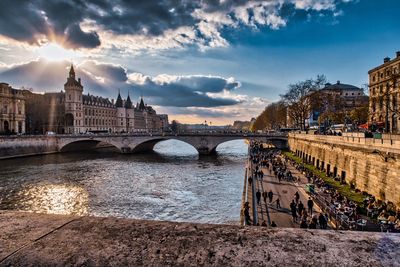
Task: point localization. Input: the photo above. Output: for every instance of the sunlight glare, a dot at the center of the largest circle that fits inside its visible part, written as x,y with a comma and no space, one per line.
54,52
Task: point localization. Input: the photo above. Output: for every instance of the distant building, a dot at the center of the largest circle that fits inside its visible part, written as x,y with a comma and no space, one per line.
164,121
350,96
86,113
12,110
243,125
384,93
72,111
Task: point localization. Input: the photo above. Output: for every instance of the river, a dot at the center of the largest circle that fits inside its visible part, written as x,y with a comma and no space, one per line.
173,183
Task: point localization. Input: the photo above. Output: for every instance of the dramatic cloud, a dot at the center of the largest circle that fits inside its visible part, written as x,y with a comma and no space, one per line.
106,79
143,24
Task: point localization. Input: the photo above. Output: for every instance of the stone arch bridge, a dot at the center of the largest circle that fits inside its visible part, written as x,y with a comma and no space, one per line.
205,144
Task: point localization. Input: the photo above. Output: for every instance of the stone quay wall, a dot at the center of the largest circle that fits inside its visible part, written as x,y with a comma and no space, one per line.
371,165
18,146
29,239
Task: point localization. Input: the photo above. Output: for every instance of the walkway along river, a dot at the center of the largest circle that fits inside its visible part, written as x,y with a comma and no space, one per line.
172,184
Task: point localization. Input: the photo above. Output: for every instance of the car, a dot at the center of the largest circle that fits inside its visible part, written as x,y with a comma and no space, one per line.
50,133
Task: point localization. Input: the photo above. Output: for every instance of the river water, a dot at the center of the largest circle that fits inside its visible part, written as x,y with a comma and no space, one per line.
172,183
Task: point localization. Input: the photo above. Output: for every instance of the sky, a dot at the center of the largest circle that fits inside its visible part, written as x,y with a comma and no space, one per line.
213,60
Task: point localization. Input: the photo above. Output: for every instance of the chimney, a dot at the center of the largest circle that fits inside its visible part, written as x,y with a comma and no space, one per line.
386,59
398,54
79,80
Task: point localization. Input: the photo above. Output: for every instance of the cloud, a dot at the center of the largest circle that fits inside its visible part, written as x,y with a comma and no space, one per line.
106,79
143,24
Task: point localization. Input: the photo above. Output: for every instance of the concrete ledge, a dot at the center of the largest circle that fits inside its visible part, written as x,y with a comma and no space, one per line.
28,239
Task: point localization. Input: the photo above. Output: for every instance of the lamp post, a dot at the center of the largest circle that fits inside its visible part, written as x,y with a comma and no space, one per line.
205,124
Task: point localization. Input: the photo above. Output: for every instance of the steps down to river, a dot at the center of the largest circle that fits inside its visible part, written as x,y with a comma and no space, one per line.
29,239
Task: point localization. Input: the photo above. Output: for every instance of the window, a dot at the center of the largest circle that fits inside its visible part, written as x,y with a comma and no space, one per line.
69,96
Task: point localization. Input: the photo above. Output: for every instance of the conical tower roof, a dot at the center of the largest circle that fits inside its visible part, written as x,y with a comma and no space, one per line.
119,103
141,105
128,102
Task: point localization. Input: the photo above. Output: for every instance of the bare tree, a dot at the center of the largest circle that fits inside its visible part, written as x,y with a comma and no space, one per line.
300,99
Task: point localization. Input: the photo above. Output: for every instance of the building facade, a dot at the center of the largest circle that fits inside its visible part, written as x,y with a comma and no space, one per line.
44,112
12,110
384,94
87,113
338,97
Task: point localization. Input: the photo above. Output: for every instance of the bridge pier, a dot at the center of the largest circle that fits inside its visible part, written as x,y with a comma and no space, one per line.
205,151
125,150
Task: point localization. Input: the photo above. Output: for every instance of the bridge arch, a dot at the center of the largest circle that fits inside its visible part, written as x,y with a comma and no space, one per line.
148,145
86,144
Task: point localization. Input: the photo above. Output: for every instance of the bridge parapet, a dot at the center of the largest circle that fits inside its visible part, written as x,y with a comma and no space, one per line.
204,143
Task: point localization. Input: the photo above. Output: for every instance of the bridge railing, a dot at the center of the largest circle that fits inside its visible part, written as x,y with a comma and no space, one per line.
160,134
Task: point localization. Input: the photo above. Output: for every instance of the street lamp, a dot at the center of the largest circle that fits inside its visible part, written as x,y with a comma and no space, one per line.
205,124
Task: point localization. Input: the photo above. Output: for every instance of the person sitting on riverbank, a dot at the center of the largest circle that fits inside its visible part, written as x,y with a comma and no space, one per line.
273,224
383,216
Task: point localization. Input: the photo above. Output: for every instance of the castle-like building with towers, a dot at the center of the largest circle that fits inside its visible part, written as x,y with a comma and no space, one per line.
88,113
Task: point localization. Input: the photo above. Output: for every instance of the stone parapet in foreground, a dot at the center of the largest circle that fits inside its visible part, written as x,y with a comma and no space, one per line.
28,239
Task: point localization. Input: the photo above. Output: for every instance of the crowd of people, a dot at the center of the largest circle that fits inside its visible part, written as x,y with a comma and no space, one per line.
278,167
345,212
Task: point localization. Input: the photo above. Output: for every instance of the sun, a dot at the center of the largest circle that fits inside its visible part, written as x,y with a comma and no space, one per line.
55,52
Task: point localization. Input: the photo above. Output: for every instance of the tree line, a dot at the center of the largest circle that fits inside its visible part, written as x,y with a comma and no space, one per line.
304,98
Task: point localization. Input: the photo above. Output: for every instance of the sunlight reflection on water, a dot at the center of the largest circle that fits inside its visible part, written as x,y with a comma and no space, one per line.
172,184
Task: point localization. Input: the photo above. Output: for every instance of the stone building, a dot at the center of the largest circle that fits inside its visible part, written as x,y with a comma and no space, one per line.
12,110
384,94
87,113
345,97
44,112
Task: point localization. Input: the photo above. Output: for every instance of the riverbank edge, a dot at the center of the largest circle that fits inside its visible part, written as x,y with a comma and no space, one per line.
30,239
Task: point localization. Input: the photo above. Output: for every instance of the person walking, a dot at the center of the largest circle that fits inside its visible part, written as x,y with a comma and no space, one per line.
258,196
265,195
310,205
247,213
278,203
322,221
297,197
270,196
293,210
300,208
